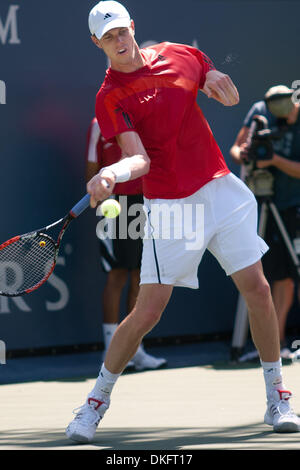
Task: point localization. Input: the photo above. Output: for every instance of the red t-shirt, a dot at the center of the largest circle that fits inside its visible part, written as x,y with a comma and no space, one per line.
99,150
158,101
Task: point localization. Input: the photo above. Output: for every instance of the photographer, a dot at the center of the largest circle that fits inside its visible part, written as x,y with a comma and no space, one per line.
281,145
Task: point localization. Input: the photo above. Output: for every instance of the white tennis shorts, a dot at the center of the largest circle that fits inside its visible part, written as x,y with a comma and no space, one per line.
220,217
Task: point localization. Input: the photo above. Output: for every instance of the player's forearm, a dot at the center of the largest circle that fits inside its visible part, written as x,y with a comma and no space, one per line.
289,167
129,168
101,186
139,165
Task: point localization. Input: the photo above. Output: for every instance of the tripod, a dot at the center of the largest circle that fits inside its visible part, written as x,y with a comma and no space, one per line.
241,326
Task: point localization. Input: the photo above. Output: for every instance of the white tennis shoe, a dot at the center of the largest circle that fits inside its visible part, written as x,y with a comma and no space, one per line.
279,413
143,361
83,427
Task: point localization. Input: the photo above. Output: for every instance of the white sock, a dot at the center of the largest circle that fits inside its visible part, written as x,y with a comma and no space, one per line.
104,384
108,332
273,376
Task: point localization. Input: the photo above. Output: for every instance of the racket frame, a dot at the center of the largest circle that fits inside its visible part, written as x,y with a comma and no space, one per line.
36,233
80,207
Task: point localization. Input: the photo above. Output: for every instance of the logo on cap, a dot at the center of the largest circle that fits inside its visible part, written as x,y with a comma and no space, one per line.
107,16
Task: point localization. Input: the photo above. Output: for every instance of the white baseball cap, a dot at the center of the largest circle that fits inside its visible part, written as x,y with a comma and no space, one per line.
277,92
279,102
107,15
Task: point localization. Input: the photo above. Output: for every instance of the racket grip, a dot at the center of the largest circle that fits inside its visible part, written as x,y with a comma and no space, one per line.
83,204
80,206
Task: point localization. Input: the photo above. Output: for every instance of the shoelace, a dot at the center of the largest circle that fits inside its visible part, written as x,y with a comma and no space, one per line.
284,408
87,414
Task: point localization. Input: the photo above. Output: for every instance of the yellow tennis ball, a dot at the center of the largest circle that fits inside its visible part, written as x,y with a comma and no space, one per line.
42,243
110,208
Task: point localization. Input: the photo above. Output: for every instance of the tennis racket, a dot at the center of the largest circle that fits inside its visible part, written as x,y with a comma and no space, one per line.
28,260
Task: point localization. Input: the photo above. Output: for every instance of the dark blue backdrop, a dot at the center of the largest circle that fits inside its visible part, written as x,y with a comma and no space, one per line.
52,72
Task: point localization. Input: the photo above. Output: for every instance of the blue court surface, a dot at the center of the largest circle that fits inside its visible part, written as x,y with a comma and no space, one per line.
86,365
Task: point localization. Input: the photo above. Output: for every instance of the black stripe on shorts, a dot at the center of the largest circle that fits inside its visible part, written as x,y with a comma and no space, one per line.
155,254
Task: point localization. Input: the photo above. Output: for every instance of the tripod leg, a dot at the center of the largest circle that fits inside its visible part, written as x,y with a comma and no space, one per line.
240,330
263,219
241,324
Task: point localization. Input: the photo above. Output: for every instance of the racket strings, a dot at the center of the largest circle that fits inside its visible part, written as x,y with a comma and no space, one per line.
25,263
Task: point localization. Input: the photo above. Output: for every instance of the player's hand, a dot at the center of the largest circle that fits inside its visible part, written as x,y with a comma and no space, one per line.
100,187
220,87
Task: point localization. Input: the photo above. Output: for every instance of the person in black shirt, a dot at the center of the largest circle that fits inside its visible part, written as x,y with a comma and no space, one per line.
278,266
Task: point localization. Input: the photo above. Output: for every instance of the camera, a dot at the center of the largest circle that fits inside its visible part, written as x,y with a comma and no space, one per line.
261,138
260,147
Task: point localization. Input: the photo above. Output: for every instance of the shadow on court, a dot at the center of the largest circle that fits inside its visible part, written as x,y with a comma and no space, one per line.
251,436
193,404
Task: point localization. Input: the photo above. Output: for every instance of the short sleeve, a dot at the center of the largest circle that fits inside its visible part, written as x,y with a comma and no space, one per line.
207,65
113,119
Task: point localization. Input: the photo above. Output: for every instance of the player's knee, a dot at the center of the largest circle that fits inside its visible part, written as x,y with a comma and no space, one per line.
147,321
260,294
263,291
261,288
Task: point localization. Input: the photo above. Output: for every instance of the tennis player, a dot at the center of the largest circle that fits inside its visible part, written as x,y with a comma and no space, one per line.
148,103
121,256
